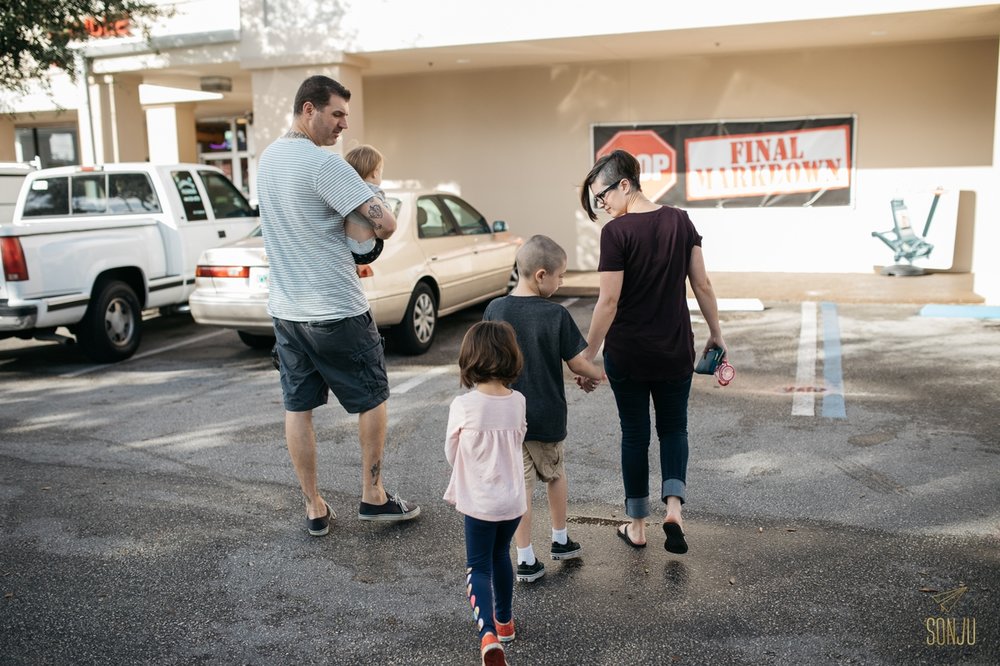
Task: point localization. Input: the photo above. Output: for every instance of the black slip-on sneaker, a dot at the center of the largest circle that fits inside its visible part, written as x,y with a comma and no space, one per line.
394,510
321,526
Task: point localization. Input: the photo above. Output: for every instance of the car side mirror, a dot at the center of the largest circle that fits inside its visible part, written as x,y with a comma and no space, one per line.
499,226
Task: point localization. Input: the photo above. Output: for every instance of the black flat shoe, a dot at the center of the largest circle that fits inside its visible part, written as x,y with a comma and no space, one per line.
675,542
622,533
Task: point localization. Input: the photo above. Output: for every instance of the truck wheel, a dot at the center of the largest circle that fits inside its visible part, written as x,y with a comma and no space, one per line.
112,326
255,341
416,332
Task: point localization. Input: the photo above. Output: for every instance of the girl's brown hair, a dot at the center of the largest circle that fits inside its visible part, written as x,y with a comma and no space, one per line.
365,159
489,351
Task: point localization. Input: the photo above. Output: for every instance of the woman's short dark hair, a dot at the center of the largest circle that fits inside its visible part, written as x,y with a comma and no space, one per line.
612,168
318,89
489,351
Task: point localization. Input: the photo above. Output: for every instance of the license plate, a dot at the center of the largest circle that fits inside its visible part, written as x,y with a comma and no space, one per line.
258,278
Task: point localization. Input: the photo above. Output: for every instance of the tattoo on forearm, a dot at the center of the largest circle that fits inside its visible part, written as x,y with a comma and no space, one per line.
375,209
376,471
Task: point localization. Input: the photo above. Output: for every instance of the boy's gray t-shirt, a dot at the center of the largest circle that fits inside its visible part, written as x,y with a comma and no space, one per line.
547,336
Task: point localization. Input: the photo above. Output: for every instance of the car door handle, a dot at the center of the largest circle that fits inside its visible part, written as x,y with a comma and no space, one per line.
222,233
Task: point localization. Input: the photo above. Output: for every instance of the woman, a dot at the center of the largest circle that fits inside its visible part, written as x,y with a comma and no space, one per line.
641,316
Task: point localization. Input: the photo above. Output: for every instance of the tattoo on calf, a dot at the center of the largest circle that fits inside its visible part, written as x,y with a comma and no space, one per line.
376,470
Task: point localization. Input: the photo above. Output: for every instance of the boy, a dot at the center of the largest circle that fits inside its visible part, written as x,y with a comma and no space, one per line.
361,239
547,336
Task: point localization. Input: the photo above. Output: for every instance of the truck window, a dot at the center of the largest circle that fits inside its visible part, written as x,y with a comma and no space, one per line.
47,196
131,193
226,200
89,195
194,207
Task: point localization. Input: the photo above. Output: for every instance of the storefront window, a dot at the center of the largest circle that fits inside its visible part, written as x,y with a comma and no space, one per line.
53,146
217,137
227,144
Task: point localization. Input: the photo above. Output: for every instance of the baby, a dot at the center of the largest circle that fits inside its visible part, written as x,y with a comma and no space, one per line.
361,239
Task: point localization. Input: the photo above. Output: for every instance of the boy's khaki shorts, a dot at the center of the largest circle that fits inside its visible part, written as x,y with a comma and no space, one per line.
542,460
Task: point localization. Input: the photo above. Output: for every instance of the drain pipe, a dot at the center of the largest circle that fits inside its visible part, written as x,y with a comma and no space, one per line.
82,67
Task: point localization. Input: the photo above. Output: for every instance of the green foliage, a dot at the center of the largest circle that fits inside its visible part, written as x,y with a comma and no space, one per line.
36,35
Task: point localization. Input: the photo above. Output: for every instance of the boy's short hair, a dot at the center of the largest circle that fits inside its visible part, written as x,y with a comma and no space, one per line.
489,351
538,253
365,159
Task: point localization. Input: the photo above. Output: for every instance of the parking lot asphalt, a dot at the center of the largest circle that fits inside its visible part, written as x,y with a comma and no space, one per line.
150,514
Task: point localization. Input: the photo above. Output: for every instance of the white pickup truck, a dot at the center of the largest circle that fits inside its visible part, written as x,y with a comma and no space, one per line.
90,248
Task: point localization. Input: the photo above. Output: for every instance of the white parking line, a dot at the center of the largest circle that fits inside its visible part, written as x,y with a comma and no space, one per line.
153,352
413,382
568,302
804,400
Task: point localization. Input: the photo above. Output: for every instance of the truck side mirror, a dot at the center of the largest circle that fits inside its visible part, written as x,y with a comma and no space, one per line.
499,226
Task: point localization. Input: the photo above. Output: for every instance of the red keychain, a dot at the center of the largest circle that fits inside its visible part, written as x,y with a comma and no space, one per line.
725,373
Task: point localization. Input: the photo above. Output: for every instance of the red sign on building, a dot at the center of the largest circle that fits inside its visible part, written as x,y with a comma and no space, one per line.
657,159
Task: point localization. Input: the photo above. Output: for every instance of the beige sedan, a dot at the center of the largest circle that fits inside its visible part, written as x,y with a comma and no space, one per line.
443,257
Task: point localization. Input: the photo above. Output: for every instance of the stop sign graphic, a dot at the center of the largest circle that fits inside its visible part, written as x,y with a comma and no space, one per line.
657,159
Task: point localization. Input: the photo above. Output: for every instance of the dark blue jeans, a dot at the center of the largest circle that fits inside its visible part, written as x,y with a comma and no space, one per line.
670,401
489,581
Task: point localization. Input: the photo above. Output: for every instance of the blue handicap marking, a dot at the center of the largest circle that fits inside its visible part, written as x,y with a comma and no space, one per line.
961,311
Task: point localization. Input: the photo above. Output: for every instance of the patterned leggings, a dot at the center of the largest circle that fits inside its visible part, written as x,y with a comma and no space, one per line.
487,553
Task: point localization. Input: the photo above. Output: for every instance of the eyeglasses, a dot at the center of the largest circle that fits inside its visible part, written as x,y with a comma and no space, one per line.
599,198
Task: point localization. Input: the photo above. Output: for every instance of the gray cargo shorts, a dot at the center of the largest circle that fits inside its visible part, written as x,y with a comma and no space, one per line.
345,356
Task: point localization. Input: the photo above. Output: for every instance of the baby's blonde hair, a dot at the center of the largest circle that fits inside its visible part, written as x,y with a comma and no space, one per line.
365,159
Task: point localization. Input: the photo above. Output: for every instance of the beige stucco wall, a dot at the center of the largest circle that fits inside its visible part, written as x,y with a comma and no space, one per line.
274,96
516,142
987,236
7,139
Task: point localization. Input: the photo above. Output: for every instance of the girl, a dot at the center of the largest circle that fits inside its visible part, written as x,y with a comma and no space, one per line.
485,429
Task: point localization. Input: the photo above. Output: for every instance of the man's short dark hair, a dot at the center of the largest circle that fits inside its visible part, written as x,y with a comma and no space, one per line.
318,90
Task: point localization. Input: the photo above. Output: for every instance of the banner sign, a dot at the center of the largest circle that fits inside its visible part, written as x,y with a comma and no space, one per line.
793,162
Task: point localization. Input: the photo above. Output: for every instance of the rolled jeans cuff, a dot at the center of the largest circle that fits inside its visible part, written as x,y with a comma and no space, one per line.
673,488
637,507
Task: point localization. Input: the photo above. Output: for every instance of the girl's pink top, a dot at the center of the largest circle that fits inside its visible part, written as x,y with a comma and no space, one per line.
483,447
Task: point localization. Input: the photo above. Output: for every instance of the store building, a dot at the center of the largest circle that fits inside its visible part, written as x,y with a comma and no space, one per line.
785,130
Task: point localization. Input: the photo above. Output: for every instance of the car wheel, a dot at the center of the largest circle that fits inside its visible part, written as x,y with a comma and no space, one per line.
111,328
416,332
512,280
255,341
